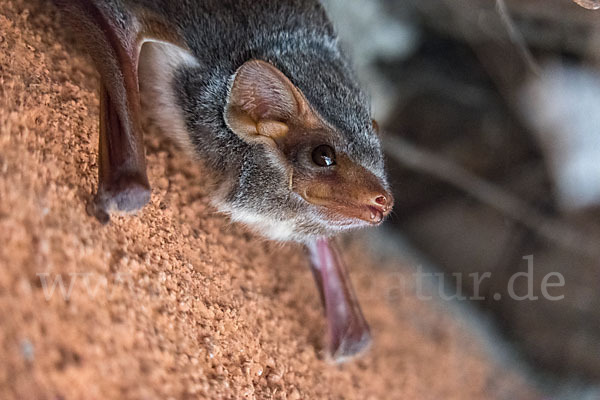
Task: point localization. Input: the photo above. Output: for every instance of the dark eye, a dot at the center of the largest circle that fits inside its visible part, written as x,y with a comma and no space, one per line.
323,156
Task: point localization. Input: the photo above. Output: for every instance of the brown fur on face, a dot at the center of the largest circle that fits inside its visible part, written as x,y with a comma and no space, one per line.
348,191
264,106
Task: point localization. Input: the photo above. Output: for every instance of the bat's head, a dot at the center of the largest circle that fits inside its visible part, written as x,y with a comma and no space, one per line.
303,177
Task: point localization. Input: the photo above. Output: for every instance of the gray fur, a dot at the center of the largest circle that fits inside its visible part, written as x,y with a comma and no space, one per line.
296,37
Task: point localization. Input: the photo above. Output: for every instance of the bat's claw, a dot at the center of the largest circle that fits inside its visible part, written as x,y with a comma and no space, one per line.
126,196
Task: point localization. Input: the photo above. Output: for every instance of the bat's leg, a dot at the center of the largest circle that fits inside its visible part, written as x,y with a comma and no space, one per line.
111,35
348,332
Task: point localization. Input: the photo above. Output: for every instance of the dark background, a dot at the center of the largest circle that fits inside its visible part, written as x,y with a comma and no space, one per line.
491,127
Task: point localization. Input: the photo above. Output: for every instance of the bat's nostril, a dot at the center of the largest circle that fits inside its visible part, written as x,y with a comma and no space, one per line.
381,200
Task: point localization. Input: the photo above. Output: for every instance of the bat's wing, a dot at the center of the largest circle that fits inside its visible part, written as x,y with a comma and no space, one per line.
113,35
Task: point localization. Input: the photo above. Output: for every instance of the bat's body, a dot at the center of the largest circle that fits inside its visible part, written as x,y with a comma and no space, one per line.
261,93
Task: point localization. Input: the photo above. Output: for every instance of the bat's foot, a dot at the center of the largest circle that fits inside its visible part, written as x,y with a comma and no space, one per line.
125,196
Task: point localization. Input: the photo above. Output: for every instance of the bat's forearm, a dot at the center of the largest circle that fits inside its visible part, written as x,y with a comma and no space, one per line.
112,38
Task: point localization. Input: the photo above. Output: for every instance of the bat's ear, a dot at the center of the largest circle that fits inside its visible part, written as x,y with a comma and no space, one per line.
261,103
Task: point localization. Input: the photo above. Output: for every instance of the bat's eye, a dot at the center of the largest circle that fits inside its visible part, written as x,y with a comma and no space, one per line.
323,156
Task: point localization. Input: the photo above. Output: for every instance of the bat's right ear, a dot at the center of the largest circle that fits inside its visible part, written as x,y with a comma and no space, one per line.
261,103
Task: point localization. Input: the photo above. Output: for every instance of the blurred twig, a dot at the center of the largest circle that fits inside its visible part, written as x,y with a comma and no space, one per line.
424,161
516,37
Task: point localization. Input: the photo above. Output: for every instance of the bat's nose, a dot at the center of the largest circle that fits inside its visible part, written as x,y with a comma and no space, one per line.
385,202
380,206
382,202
